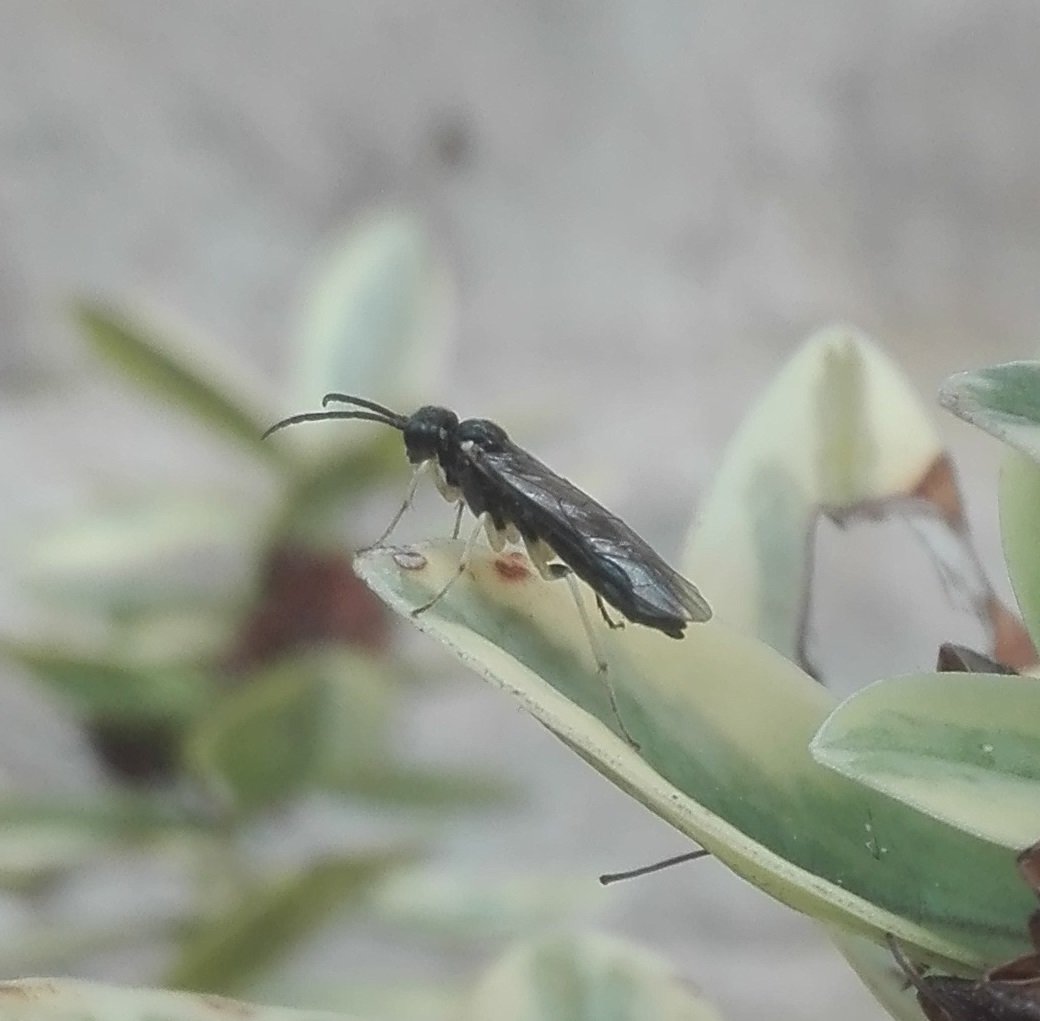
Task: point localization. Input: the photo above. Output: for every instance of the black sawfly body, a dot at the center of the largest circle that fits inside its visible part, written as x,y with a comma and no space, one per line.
517,499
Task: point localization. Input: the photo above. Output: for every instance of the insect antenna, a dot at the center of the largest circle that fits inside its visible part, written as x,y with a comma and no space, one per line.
392,417
397,421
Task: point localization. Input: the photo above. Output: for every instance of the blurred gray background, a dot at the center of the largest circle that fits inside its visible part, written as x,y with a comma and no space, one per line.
645,207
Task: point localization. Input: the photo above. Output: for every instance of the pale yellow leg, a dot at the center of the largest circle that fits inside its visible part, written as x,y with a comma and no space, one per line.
422,468
496,538
540,554
467,552
565,572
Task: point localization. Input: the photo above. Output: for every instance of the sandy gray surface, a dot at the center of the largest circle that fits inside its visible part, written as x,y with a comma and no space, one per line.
645,206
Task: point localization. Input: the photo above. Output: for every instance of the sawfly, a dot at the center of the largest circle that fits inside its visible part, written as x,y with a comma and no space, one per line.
517,499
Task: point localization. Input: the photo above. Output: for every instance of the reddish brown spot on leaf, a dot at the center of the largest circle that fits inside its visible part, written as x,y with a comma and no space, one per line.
512,567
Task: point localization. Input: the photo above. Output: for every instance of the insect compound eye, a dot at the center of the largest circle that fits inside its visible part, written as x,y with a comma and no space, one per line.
426,431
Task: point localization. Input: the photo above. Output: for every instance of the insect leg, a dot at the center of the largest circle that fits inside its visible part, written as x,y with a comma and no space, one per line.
562,571
614,625
420,471
657,866
496,536
463,564
459,508
915,978
540,555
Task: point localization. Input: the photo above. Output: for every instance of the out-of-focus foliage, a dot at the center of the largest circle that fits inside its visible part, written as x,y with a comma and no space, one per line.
557,978
839,433
64,999
232,944
377,315
218,703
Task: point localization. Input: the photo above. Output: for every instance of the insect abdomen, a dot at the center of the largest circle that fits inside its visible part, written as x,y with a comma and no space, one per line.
602,575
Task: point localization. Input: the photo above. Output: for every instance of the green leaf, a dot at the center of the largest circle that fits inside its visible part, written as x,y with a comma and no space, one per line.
357,695
269,919
125,815
183,376
100,686
1020,531
157,634
155,641
257,746
50,946
398,998
1004,400
375,319
964,748
64,999
470,907
132,535
724,725
350,743
428,788
876,968
30,854
130,538
839,432
324,486
583,977
318,719
39,839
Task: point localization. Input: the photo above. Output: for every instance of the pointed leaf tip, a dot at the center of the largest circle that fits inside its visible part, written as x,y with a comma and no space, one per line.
1003,400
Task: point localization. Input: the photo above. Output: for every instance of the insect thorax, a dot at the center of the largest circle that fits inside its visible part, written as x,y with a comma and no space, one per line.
479,432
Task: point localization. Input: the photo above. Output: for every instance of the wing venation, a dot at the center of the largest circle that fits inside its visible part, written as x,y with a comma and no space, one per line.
585,534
